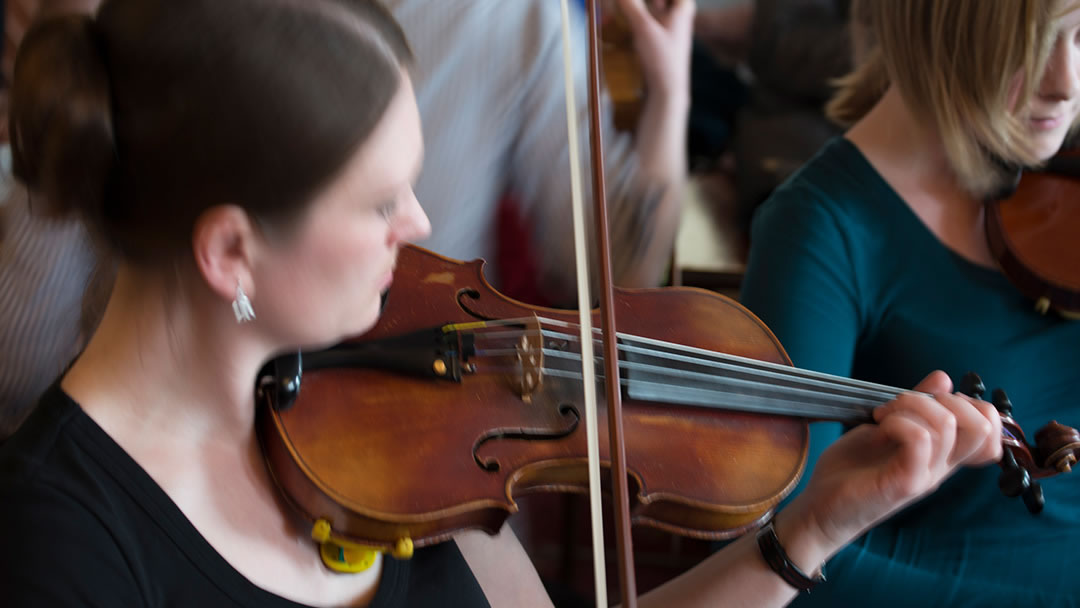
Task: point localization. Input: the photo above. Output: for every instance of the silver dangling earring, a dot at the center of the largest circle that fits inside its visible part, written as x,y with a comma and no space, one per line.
242,305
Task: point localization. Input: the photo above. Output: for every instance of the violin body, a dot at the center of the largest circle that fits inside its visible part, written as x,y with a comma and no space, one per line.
1033,235
385,457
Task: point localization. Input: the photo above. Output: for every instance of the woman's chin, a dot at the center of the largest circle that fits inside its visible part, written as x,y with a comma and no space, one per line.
369,319
351,327
1047,145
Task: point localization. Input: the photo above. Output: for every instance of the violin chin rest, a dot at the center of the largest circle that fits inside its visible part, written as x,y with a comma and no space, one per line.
281,377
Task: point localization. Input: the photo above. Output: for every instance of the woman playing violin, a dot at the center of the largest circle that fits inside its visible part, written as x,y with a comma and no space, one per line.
251,163
872,261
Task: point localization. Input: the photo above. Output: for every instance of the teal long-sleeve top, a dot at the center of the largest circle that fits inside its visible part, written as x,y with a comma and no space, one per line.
854,284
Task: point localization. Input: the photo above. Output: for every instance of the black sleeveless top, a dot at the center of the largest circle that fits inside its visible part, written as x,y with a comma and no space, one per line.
81,524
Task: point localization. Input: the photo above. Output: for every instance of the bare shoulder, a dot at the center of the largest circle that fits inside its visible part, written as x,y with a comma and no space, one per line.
503,569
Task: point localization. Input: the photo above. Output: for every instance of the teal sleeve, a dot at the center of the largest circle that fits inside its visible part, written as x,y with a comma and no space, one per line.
800,282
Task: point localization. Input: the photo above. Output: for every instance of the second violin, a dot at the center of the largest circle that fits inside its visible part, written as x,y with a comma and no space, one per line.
1033,232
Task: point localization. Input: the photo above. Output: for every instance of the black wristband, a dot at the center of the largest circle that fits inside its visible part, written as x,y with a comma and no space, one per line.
781,564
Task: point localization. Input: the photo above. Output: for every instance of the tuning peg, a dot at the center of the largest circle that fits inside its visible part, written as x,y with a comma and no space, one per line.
1033,498
1001,402
1013,479
972,385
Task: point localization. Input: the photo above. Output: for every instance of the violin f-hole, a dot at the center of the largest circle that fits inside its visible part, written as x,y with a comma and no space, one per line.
464,296
567,411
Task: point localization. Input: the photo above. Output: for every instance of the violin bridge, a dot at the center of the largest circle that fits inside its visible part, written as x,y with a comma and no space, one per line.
530,359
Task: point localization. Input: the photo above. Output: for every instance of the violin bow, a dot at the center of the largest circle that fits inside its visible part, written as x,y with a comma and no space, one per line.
620,495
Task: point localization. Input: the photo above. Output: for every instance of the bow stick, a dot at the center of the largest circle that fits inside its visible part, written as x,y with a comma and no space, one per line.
620,496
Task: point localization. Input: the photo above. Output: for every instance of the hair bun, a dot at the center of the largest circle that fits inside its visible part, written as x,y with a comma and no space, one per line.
60,115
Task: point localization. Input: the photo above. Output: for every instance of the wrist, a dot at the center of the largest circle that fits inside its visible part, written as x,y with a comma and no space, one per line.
671,95
776,557
801,536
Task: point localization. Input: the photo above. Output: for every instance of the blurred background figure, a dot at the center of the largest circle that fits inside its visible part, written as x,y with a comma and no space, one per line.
53,284
718,81
489,81
18,14
796,48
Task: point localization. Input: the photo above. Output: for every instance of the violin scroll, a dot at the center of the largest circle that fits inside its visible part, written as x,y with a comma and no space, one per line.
1055,451
1060,443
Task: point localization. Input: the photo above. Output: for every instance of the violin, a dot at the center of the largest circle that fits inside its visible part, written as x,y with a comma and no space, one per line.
1032,234
460,399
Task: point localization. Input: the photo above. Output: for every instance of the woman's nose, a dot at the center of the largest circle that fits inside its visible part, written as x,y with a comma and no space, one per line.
1061,81
413,224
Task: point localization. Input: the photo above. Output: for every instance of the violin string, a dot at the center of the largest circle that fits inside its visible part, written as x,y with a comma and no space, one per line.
660,382
702,356
784,370
739,400
715,360
783,374
741,382
719,398
802,392
721,360
713,392
803,385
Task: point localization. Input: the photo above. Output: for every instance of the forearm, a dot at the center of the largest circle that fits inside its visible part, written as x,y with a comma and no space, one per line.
738,575
660,146
649,211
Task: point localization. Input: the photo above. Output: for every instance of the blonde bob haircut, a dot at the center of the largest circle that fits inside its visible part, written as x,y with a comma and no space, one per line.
962,67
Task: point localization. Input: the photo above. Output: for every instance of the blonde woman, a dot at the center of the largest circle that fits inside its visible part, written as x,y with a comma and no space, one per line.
872,261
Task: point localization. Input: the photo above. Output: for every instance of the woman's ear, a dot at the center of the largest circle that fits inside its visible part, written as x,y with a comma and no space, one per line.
223,242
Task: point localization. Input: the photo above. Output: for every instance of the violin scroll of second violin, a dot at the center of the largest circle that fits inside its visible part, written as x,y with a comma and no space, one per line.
1055,451
1060,444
